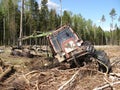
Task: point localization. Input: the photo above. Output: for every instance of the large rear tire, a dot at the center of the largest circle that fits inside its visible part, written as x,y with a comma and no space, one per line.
103,61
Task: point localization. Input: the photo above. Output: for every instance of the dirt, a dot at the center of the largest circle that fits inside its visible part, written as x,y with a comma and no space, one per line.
31,75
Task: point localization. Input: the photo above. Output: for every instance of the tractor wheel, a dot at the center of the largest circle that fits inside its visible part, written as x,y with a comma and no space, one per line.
103,61
89,47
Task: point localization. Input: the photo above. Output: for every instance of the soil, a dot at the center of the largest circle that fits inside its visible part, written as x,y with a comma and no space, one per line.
32,73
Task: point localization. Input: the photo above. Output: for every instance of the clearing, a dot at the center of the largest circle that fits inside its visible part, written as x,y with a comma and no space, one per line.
28,73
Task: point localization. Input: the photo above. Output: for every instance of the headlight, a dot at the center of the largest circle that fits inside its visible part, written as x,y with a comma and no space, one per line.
79,43
70,46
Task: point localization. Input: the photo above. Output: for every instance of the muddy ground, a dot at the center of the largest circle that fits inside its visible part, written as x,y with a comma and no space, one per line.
28,73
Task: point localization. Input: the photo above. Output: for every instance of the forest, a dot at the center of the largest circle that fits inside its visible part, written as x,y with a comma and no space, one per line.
67,64
39,18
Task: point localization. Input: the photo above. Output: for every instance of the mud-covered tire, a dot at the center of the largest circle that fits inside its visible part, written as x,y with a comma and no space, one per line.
88,47
103,61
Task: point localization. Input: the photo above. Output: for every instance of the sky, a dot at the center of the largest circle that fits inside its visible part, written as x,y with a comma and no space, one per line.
89,9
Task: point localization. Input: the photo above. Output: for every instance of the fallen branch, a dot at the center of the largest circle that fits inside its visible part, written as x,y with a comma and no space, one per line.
37,88
8,70
106,85
32,72
115,74
70,80
115,62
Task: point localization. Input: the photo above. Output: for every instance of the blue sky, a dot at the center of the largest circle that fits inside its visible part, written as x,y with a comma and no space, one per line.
90,9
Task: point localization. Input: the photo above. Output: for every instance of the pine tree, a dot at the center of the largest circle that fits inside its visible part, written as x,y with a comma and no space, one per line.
66,18
112,14
103,20
44,18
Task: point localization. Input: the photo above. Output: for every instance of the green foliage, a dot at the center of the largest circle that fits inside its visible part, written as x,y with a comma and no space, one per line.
113,13
42,19
53,20
66,18
44,16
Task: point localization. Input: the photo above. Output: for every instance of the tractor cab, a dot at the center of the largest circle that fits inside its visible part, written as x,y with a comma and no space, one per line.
65,43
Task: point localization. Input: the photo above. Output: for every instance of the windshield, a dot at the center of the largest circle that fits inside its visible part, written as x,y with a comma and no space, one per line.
64,35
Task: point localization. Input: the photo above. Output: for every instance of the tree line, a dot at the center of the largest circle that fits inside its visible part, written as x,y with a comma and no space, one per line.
41,19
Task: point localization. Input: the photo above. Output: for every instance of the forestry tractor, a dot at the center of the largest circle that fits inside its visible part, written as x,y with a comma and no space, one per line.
66,46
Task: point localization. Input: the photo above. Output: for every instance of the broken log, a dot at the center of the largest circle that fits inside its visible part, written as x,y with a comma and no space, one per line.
2,51
6,72
106,85
115,74
1,70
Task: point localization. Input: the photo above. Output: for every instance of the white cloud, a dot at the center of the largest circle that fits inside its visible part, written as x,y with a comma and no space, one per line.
106,28
98,21
50,4
53,5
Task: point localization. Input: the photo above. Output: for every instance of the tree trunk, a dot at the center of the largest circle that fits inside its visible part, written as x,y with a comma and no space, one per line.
21,24
4,30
